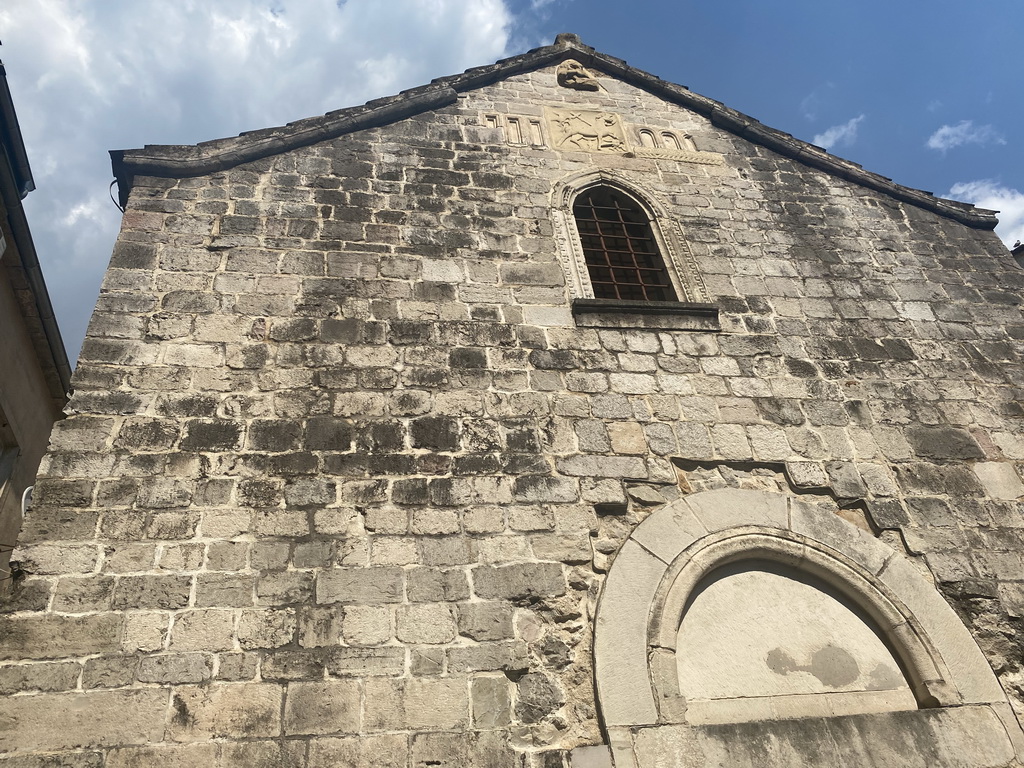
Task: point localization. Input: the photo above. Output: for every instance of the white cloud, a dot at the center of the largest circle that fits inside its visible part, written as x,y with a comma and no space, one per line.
844,134
813,101
93,75
965,132
989,194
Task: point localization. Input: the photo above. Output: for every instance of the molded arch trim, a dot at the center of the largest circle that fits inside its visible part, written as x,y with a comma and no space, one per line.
679,261
645,596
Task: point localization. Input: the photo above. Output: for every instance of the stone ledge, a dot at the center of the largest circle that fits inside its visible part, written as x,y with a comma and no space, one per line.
662,315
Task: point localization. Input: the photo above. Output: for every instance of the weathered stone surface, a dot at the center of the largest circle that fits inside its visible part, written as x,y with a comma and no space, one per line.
97,718
538,695
176,668
366,751
421,704
491,702
42,636
344,472
485,621
348,585
322,708
235,710
519,581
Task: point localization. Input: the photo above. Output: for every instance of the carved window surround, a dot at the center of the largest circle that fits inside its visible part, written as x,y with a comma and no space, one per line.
693,312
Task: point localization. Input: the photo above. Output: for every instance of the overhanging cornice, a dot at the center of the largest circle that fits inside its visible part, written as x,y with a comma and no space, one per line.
209,157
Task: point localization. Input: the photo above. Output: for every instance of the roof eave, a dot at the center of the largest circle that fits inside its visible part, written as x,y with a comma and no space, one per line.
209,157
15,183
11,139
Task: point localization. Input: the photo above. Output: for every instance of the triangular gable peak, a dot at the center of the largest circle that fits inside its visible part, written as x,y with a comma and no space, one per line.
178,161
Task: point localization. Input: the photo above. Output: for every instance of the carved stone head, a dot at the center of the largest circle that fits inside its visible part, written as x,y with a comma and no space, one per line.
572,74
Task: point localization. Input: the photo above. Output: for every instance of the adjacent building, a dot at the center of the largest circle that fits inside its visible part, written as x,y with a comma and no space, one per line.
34,372
549,414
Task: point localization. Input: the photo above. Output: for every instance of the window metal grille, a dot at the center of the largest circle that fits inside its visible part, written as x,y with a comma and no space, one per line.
619,247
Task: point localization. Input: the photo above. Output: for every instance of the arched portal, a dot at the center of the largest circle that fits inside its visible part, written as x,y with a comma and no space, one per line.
748,609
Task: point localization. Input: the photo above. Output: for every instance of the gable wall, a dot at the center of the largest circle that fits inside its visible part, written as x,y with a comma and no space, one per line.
338,443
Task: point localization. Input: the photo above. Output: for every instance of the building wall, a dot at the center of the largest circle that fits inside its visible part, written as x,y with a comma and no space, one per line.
25,406
343,477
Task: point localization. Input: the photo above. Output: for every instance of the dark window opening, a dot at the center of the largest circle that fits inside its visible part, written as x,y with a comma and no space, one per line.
619,248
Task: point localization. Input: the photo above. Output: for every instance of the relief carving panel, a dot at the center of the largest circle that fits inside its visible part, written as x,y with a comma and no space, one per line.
586,131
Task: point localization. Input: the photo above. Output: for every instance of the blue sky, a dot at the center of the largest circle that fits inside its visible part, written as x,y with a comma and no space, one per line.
927,92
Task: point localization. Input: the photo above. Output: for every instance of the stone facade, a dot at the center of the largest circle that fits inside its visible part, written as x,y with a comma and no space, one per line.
346,472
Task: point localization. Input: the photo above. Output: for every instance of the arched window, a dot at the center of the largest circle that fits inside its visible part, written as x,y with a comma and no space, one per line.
625,261
619,248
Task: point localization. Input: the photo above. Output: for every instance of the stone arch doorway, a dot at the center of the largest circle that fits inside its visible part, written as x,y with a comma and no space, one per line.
737,622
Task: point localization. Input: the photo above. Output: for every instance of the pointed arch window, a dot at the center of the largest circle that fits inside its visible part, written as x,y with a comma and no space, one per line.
626,264
619,248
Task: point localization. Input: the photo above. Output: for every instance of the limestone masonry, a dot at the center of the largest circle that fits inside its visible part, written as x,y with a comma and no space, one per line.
370,462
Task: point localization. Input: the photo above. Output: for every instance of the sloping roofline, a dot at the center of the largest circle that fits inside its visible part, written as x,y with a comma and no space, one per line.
15,183
210,156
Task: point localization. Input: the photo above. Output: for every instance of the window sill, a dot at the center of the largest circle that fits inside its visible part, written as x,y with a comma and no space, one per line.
662,315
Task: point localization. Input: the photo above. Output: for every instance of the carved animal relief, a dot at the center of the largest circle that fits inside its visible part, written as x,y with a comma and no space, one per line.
581,130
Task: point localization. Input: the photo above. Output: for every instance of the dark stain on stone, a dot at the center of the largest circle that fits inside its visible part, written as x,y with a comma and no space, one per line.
832,666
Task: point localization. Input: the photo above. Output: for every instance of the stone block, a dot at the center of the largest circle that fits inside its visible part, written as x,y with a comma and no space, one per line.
95,718
485,621
233,667
507,656
591,757
83,595
620,644
627,437
383,751
163,592
429,623
225,710
999,479
318,627
175,756
326,707
943,442
435,585
537,695
367,625
806,474
43,559
266,628
519,581
109,672
22,678
845,480
492,705
206,630
42,636
416,703
359,585
176,668
728,508
388,661
668,531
